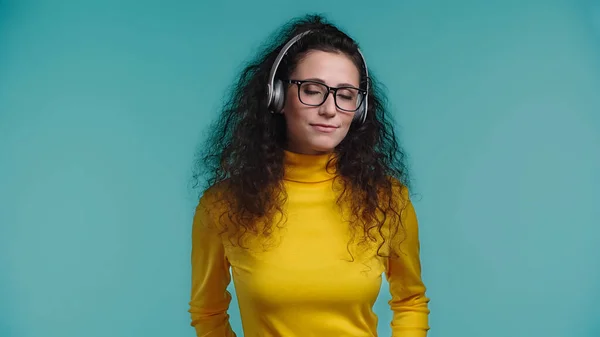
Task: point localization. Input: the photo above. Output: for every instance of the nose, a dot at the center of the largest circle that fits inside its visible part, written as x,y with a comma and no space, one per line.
328,108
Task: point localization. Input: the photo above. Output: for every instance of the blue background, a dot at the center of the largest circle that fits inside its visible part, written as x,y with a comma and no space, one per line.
103,103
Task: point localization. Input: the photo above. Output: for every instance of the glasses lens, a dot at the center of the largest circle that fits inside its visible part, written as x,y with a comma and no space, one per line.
312,93
348,99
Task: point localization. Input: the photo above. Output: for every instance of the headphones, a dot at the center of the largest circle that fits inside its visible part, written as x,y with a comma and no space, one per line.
276,91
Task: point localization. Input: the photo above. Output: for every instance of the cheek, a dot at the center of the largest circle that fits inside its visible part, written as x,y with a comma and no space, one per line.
294,118
347,121
294,111
291,108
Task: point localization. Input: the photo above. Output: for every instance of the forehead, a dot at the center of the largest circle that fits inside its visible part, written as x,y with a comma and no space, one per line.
333,68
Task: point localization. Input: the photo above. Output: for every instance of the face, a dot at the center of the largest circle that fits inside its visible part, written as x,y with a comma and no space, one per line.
319,129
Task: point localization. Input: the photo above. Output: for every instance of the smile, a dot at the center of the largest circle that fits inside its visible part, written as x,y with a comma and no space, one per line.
325,128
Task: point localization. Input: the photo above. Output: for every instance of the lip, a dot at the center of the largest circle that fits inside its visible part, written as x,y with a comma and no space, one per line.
325,128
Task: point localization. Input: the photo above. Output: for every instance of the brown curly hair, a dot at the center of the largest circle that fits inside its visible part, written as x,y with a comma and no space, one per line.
244,152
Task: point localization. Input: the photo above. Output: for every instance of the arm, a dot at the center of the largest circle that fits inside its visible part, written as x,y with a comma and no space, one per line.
210,278
409,302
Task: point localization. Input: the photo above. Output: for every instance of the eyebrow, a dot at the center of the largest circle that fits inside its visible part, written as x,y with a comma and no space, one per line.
314,79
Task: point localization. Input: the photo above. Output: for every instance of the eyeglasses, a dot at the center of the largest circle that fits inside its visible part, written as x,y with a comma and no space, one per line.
313,93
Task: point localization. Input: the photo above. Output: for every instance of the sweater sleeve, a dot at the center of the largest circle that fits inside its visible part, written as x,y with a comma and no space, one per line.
409,302
210,277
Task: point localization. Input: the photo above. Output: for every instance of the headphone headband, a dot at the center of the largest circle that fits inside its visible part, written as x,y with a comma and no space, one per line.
275,90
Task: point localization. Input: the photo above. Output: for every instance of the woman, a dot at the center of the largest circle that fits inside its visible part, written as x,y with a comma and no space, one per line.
307,202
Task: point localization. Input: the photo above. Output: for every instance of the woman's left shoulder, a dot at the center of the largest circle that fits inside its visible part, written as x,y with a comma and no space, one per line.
400,191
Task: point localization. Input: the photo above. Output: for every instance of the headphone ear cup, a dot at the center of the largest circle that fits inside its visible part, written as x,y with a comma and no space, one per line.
278,97
360,113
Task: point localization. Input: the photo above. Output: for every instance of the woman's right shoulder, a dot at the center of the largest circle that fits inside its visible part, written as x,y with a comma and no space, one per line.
213,197
212,205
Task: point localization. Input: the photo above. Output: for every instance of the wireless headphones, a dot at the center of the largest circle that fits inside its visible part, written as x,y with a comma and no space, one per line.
276,91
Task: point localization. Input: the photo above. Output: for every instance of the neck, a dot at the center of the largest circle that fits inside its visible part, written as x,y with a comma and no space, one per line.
309,168
307,151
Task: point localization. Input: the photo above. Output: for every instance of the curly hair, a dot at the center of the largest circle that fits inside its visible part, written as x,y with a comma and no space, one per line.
244,151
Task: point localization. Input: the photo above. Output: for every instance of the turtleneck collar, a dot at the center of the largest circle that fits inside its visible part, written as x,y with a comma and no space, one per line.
308,168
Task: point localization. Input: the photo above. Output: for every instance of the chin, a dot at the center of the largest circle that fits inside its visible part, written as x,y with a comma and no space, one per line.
321,147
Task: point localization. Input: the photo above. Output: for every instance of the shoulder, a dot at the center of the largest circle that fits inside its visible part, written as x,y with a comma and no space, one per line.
214,194
213,202
400,191
403,218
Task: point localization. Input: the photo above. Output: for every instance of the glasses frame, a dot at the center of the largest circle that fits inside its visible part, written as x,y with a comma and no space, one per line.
329,90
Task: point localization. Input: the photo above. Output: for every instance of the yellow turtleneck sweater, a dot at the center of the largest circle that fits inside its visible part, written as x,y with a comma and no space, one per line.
304,283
